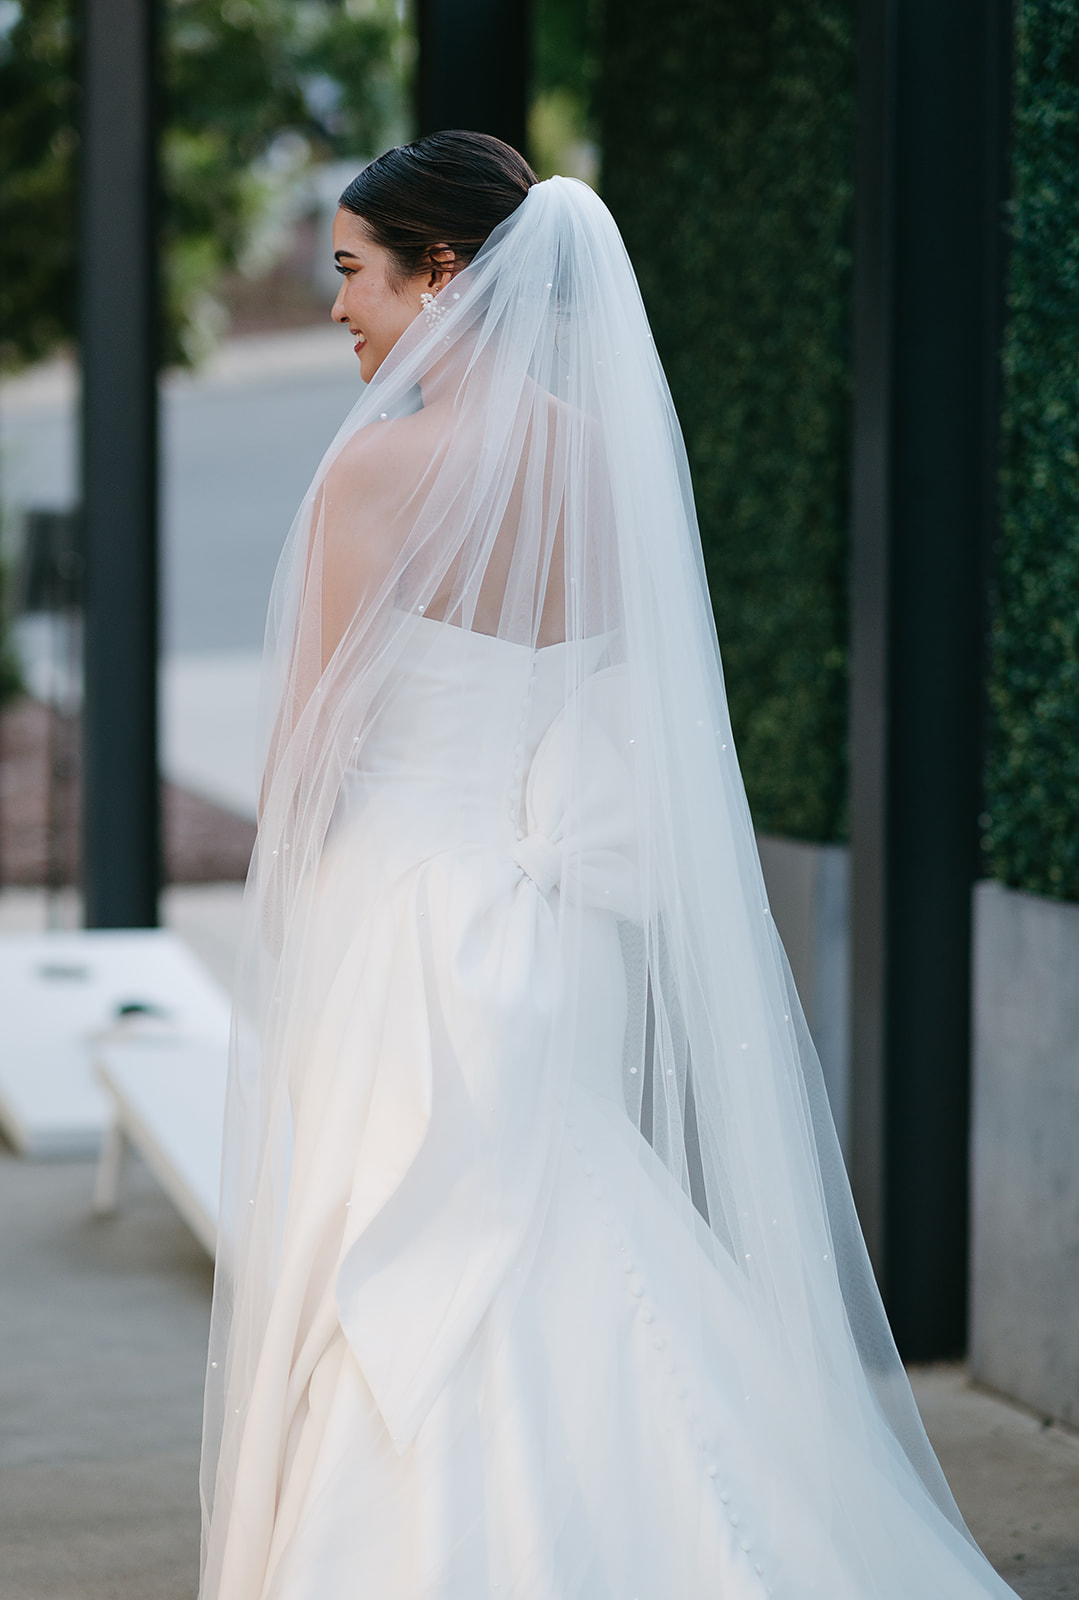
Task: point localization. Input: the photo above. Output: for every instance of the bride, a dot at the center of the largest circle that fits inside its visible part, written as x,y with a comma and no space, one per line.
539,1277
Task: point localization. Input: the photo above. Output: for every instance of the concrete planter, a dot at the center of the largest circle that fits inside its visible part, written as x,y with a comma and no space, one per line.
809,892
1025,1150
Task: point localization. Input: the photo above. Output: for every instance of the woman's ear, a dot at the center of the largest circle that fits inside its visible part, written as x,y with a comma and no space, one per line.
444,265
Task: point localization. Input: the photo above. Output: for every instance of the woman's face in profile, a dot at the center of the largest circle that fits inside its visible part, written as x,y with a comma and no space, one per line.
376,303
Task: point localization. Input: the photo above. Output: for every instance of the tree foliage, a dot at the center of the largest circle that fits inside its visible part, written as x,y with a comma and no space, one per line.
561,123
38,142
247,87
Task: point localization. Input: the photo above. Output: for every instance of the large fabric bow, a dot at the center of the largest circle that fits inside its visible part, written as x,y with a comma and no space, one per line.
579,802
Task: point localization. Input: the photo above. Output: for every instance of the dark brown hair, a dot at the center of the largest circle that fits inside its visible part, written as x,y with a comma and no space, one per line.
450,188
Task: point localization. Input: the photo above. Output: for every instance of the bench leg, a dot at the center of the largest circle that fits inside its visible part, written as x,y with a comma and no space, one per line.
109,1167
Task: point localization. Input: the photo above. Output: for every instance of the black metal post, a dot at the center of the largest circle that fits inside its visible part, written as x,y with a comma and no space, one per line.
932,118
473,67
875,119
119,464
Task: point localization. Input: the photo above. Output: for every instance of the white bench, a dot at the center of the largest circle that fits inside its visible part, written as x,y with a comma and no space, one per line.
168,1101
59,993
114,1038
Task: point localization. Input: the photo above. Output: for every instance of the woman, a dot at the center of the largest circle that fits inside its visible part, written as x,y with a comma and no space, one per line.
539,1275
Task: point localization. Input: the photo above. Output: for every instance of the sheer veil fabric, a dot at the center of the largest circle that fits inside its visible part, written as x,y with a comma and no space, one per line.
538,1275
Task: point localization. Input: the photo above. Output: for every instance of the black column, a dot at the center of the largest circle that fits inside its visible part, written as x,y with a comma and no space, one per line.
932,116
119,464
473,67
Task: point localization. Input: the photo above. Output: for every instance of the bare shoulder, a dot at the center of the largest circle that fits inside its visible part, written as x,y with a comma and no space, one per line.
558,414
382,456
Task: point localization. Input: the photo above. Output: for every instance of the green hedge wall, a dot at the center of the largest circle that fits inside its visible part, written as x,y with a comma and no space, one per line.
728,148
1032,788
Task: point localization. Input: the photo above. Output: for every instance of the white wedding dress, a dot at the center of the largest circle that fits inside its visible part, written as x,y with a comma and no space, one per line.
530,1287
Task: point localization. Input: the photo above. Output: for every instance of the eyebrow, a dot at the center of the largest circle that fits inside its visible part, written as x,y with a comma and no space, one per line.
339,255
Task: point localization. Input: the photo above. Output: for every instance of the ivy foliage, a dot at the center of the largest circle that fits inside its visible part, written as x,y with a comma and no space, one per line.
1032,780
728,161
249,91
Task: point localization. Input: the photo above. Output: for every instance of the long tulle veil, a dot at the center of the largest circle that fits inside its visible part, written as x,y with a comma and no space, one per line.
516,469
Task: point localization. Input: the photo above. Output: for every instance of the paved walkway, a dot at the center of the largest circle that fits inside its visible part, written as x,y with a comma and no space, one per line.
1015,1478
102,1339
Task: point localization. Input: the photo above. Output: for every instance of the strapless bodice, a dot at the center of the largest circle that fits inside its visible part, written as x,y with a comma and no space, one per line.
450,757
466,710
484,744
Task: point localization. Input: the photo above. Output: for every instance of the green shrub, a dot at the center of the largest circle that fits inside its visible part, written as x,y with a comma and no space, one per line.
1032,780
727,132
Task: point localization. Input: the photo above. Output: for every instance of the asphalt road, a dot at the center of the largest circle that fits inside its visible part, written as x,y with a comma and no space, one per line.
241,439
240,442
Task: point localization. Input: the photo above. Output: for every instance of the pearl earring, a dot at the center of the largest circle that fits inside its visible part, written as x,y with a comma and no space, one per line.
432,310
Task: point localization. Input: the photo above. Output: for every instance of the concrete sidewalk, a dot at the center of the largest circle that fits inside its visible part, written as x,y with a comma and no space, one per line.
102,1339
102,1347
1016,1479
103,1328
